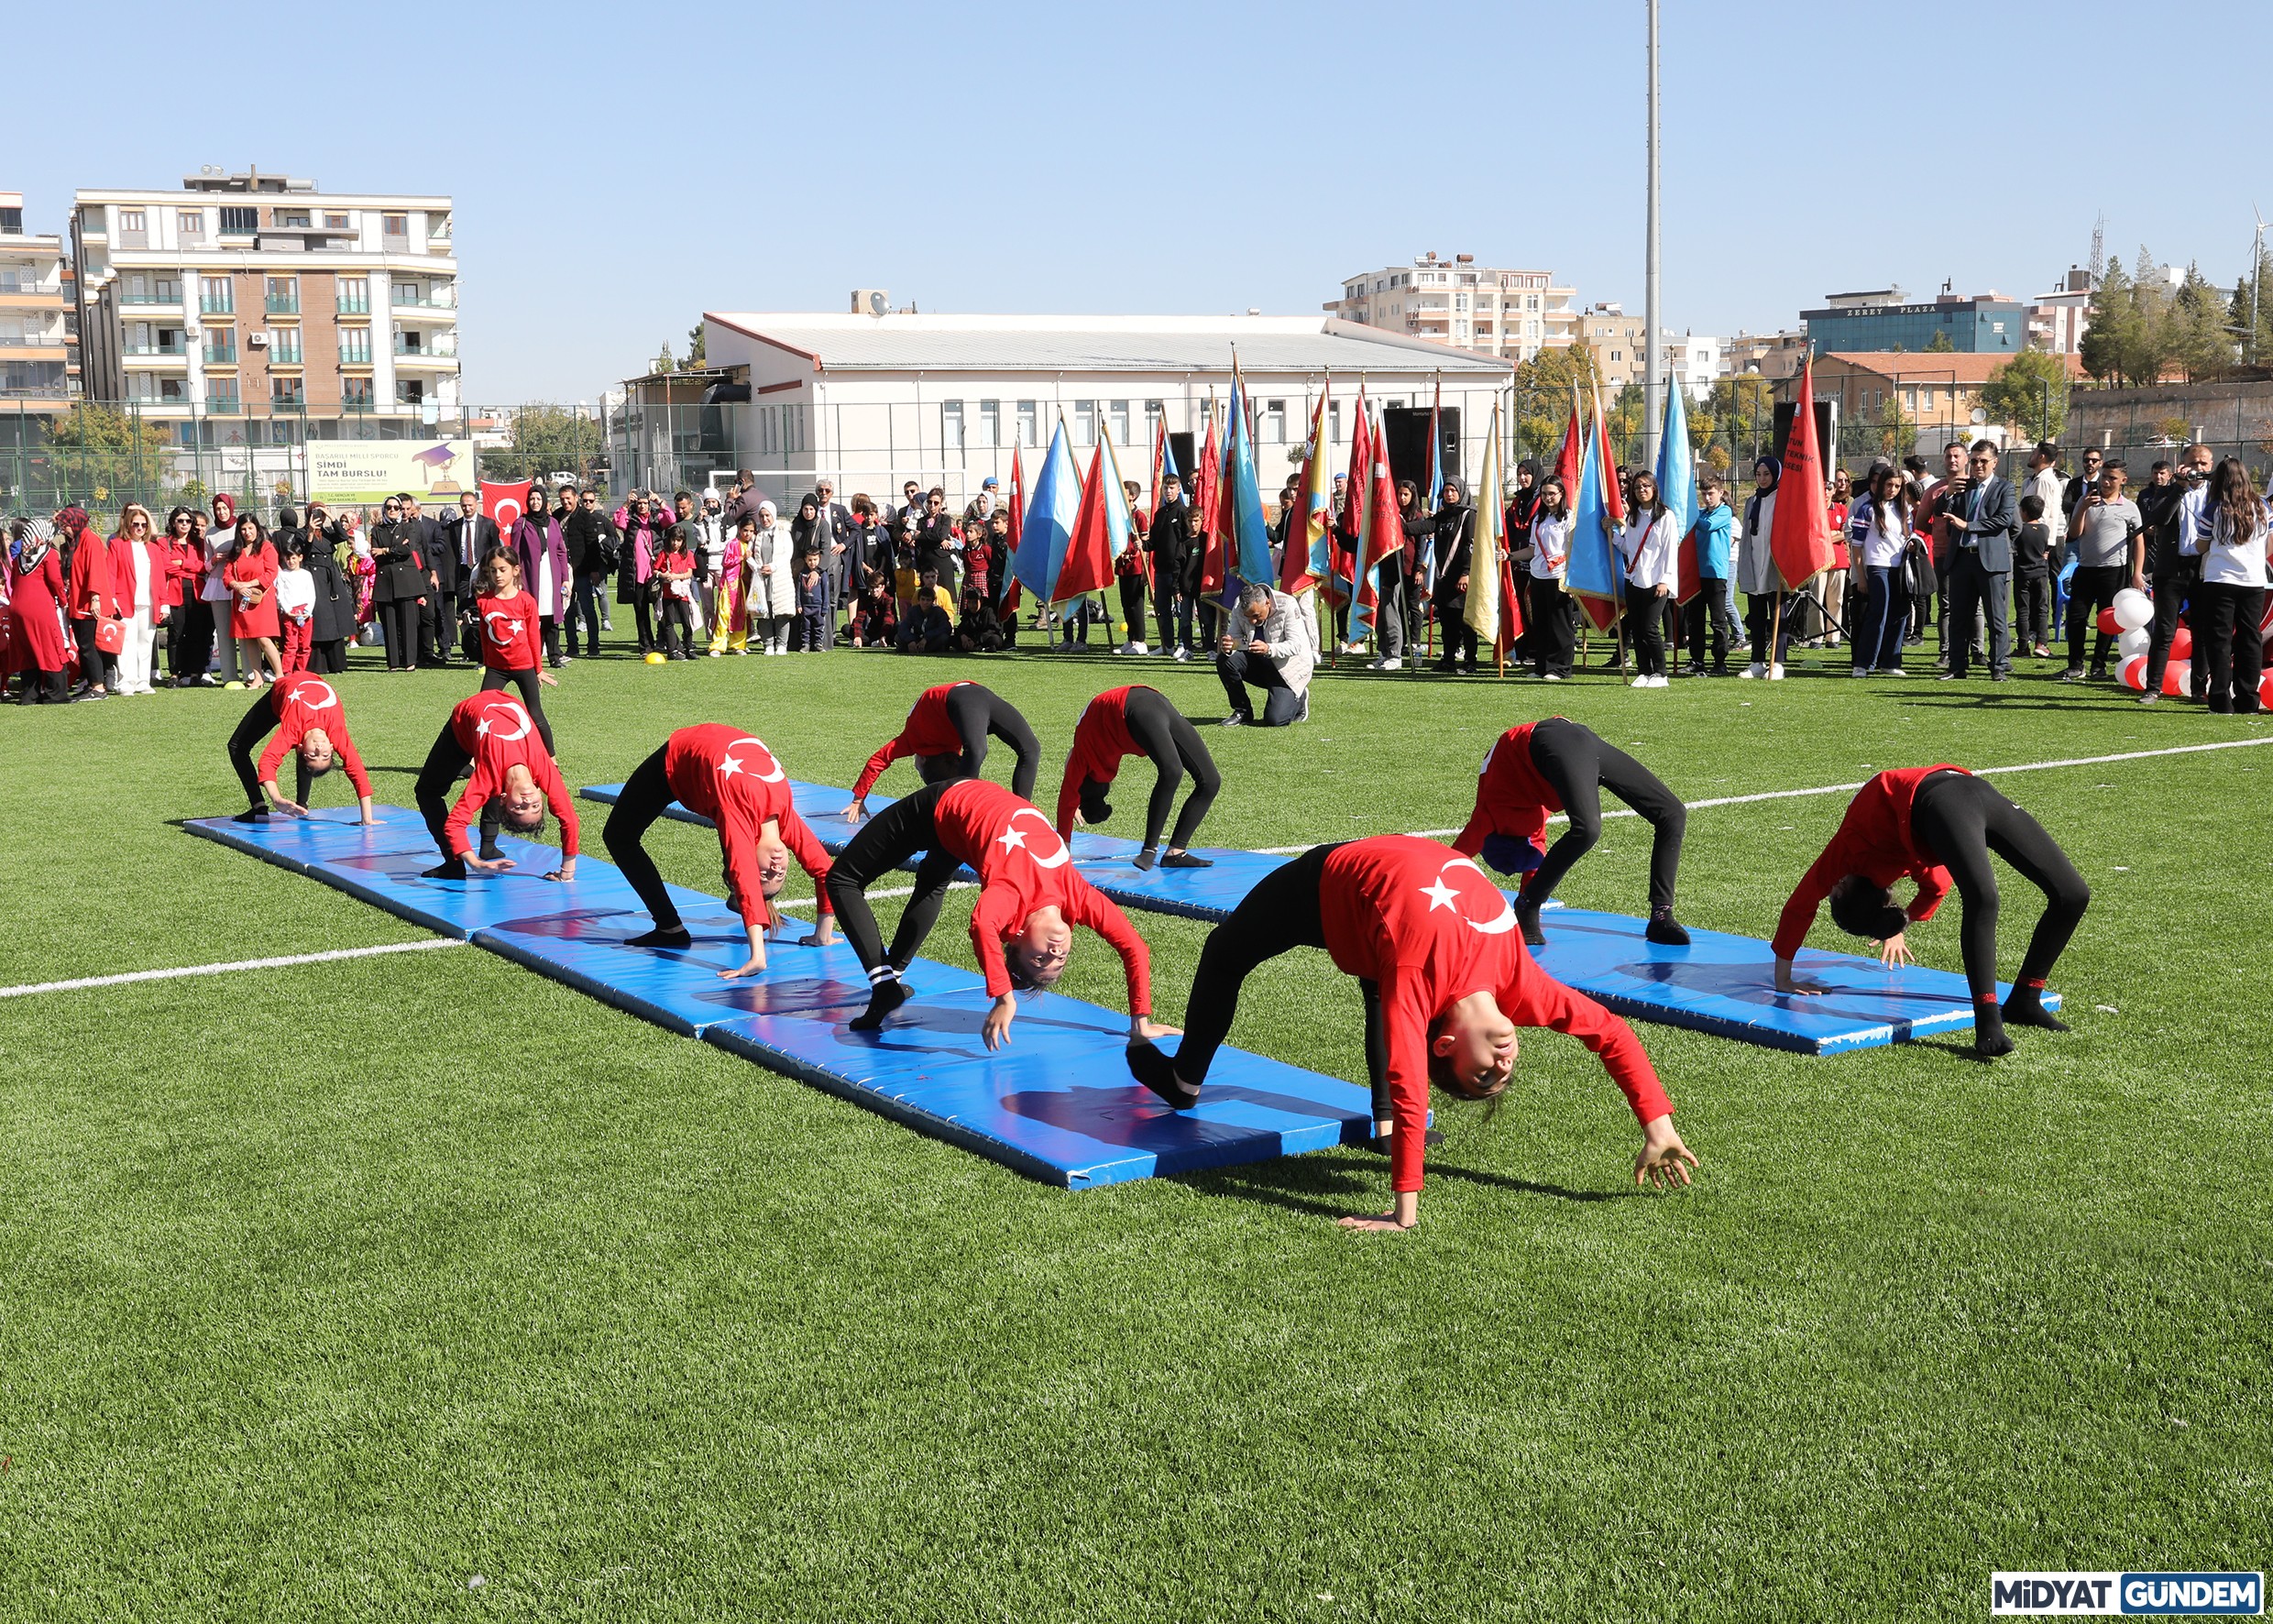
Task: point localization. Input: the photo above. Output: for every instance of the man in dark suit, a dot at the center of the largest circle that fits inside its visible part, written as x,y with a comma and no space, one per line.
833,534
457,550
1983,520
472,536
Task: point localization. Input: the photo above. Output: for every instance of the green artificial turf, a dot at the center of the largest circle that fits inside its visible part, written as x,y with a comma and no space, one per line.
329,1290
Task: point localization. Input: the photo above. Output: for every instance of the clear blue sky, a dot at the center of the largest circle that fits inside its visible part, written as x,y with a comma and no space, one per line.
626,167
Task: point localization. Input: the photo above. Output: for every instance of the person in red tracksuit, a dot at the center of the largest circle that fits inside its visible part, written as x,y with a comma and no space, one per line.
1030,899
1139,722
304,714
510,628
1560,766
1445,980
724,775
1937,826
946,733
513,779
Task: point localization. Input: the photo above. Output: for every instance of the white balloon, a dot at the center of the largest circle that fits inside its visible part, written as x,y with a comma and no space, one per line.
2133,608
2133,643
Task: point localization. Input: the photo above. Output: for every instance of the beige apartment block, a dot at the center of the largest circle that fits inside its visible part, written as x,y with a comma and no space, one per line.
39,340
257,309
1512,314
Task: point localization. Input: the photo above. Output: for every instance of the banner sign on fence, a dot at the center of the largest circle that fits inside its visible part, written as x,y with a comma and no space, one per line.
373,470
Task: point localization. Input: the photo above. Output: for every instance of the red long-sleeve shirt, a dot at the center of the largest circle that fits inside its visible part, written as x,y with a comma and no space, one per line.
303,704
1428,927
724,775
926,732
1023,867
93,591
1874,841
497,732
509,628
1511,798
1100,739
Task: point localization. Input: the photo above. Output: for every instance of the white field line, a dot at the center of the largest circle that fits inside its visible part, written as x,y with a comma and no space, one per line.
285,962
1834,789
807,902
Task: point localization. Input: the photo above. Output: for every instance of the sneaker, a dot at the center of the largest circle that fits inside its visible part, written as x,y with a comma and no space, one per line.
718,653
2073,673
1305,712
1135,647
1643,682
1551,677
1182,653
1893,671
1775,673
1752,672
2148,699
1392,664
1861,671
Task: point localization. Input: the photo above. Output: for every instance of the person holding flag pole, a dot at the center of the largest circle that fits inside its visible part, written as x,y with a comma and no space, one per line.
1306,564
1800,536
1487,609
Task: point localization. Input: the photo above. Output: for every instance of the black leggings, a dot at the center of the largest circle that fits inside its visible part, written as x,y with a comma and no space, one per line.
446,764
1578,766
886,840
258,723
1645,629
492,679
645,796
1959,820
1281,913
974,712
398,624
1172,745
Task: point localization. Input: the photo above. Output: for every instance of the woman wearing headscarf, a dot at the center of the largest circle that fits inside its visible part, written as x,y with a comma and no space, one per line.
1756,574
145,585
250,576
773,580
38,652
90,596
542,555
642,530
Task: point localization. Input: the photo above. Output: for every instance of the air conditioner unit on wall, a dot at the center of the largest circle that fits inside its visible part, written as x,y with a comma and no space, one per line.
258,340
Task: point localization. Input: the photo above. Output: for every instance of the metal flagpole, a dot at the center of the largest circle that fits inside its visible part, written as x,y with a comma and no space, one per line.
1653,386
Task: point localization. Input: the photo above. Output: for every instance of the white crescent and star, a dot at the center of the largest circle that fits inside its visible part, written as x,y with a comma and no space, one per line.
507,708
1014,838
732,763
299,695
512,627
1443,896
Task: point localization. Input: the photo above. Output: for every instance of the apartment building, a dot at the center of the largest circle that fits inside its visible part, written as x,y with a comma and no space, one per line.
1772,356
255,309
38,344
1512,314
1885,320
1697,359
1615,339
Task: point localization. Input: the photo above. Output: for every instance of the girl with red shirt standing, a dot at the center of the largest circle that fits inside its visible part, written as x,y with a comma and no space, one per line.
91,597
510,630
35,644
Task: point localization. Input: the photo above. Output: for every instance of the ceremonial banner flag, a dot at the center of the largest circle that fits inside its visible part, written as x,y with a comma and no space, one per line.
1677,486
1365,587
1211,477
1049,521
1593,575
1101,527
1307,559
1800,538
1485,593
1240,526
1572,457
1163,459
1384,534
1017,526
503,505
1613,494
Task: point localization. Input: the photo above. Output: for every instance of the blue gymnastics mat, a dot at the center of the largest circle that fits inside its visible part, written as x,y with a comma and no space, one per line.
1720,983
1208,893
1725,985
1055,1103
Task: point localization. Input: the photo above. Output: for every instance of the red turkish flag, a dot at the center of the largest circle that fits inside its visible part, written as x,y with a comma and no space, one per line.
1800,538
1571,459
1211,476
504,504
1088,564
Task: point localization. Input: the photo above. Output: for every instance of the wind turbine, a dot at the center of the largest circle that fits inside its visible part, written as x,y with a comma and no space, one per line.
2256,279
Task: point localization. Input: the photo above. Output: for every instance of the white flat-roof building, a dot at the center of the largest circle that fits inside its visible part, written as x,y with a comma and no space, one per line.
874,400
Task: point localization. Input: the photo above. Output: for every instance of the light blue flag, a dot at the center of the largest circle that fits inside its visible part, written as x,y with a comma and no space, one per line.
1050,514
1677,467
1250,555
1593,575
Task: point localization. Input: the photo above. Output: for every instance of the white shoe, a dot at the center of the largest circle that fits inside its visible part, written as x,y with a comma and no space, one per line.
1643,682
1551,677
1139,648
1305,716
1893,671
1775,673
1392,664
1863,671
1753,672
1183,654
718,653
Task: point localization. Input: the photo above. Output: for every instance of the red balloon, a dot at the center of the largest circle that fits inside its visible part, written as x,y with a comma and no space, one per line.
2135,674
2177,679
2107,623
2182,644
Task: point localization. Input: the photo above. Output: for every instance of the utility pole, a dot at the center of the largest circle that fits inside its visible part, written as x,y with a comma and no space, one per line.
1653,359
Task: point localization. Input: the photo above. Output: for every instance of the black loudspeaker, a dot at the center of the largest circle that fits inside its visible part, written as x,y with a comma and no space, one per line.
1406,428
1826,431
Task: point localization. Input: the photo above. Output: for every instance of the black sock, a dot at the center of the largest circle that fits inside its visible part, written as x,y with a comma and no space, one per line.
1665,931
252,815
1988,1035
663,936
1152,1068
1527,916
449,868
1185,859
885,998
1147,858
2025,1007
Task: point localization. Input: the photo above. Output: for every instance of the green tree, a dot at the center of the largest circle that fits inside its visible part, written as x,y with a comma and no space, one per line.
1941,346
2196,336
1741,414
96,450
547,439
695,347
664,363
2256,347
89,426
1543,387
2028,395
1893,431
